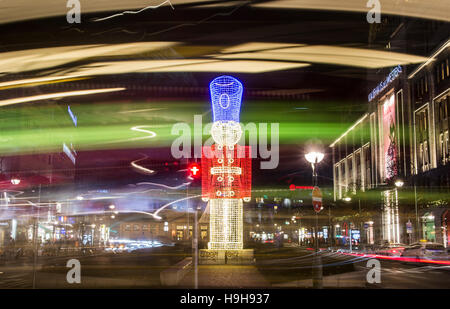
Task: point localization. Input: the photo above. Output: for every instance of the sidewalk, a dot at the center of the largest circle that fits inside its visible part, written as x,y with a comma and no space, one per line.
355,279
226,276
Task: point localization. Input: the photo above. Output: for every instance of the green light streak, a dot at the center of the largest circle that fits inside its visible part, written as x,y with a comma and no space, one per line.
45,127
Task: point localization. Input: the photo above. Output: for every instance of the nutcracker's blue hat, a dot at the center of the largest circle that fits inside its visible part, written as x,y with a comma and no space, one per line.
226,97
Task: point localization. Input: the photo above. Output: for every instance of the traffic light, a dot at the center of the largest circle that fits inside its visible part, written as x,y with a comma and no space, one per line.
194,171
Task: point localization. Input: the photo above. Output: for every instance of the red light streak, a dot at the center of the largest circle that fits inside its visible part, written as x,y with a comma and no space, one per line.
400,258
294,187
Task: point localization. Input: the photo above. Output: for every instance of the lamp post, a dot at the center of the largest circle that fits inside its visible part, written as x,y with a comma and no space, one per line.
348,199
314,158
399,183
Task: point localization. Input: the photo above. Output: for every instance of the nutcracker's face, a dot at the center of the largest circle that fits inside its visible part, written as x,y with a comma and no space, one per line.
226,133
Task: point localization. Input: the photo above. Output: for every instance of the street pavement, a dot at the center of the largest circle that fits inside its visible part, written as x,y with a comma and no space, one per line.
142,271
226,276
393,275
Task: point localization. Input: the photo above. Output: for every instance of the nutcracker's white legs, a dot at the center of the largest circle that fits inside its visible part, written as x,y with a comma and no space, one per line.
226,224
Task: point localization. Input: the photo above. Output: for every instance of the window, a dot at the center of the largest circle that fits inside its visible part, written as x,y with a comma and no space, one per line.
136,227
447,68
145,227
127,227
421,157
368,176
425,156
358,169
445,148
422,137
350,180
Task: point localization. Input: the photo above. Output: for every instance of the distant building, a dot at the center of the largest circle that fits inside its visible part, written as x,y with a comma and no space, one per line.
402,138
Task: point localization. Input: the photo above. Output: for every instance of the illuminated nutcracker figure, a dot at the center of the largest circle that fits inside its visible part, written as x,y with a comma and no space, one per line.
226,167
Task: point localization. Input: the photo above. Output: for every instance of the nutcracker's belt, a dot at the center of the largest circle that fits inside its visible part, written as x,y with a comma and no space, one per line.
226,170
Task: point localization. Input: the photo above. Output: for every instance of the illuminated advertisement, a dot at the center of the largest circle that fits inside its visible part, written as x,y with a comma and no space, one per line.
390,149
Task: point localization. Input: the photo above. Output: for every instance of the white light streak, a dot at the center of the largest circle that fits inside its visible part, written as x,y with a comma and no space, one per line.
351,128
151,134
34,80
140,167
430,59
171,203
142,110
135,12
57,95
163,185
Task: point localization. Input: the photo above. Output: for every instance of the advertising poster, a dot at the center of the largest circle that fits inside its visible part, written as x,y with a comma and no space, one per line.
389,129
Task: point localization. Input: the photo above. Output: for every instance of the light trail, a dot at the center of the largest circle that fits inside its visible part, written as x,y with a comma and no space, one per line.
180,200
138,129
142,110
399,258
57,95
140,167
163,185
151,134
134,12
38,81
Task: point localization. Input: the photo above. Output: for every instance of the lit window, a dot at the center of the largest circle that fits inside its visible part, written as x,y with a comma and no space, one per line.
446,63
442,70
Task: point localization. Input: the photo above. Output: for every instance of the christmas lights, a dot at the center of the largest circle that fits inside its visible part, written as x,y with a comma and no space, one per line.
226,167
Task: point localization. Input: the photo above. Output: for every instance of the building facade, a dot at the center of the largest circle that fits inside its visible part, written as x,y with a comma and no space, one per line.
397,153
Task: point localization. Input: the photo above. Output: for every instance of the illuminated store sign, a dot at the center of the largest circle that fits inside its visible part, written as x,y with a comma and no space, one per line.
293,187
389,79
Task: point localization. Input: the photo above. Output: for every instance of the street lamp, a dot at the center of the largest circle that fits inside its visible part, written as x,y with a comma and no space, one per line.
347,199
399,183
314,157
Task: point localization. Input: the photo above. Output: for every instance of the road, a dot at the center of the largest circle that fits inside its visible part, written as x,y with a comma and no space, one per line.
274,268
124,270
345,271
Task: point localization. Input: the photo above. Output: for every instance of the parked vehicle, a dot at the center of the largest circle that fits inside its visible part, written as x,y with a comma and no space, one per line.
426,250
391,249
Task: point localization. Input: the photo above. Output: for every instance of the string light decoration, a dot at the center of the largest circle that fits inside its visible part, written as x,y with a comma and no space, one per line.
226,97
226,167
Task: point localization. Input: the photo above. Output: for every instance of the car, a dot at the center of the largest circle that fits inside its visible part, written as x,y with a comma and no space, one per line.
395,249
426,250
